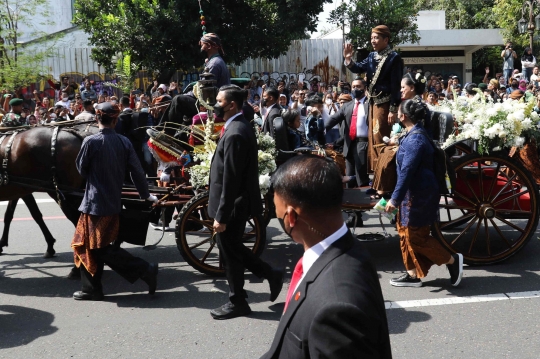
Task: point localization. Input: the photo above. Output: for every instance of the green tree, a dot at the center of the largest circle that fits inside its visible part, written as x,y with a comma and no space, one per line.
363,15
463,14
507,14
19,63
471,14
163,35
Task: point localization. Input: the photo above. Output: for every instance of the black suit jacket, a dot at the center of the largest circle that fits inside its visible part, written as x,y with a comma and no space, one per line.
268,125
234,175
343,118
340,310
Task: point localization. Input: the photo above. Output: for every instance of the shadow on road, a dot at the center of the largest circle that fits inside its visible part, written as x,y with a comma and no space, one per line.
400,319
21,325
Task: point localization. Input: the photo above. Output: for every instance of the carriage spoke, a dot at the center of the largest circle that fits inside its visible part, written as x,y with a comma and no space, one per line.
487,237
516,211
504,187
206,224
200,243
518,194
463,197
511,224
475,235
500,233
480,171
208,252
465,230
471,189
495,176
450,206
457,220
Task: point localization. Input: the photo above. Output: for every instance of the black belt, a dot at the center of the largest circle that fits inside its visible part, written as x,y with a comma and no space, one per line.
362,139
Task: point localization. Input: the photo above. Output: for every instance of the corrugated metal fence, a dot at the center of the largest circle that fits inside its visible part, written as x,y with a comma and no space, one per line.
304,60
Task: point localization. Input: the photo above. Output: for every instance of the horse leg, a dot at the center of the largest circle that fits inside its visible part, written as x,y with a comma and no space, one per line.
8,217
70,208
31,203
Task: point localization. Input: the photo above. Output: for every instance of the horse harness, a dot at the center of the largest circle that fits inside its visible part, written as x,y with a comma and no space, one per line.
4,177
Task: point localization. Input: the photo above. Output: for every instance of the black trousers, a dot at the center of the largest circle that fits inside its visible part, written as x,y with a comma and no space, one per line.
356,163
119,260
236,257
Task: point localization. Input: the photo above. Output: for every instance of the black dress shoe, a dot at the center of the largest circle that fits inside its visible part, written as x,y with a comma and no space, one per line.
150,277
276,283
80,295
229,311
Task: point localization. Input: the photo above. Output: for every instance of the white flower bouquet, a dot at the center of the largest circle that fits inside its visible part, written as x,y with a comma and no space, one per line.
200,173
493,125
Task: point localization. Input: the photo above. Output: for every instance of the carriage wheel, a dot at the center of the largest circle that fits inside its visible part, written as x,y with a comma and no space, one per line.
493,211
198,245
269,211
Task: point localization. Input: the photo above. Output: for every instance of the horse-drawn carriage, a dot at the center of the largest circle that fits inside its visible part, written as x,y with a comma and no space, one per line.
490,214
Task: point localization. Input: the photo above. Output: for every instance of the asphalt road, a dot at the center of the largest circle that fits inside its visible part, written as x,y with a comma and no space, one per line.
39,318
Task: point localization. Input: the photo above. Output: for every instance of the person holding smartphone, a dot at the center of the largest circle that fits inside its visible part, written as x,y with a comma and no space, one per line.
508,55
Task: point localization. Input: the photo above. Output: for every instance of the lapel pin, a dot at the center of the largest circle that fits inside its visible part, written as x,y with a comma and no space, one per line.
297,296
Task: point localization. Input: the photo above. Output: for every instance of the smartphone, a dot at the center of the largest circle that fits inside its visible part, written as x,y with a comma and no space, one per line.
136,92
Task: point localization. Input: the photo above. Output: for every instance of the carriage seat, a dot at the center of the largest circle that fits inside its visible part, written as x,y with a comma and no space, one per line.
442,125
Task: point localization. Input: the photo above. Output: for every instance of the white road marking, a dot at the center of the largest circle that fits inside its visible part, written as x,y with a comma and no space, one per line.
460,300
44,200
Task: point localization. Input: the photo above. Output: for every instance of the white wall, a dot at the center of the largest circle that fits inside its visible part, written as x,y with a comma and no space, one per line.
60,16
431,20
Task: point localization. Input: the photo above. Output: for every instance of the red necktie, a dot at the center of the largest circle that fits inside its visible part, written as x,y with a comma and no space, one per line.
297,275
352,128
222,132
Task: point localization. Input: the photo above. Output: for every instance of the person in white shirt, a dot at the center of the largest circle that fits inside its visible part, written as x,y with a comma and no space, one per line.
64,100
329,109
334,306
535,77
528,62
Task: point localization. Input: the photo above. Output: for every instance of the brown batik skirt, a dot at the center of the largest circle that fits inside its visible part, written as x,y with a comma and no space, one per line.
93,232
385,176
420,250
378,128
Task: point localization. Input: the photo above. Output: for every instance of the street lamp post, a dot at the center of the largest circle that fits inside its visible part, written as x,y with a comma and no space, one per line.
533,23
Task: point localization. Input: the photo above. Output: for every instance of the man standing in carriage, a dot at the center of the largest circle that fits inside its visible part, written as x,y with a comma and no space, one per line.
234,197
185,105
102,161
384,70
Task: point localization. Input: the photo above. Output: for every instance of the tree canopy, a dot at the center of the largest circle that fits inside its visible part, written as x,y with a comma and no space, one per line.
19,64
363,15
163,35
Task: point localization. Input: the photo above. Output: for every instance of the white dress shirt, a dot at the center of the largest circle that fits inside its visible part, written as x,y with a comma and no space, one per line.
230,119
361,125
313,253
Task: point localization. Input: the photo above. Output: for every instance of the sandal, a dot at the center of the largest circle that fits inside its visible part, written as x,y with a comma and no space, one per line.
376,196
386,196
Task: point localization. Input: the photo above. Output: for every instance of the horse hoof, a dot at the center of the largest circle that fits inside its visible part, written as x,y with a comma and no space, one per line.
49,254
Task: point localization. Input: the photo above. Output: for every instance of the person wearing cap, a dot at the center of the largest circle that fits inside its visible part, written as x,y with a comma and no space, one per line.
185,105
384,70
103,160
14,117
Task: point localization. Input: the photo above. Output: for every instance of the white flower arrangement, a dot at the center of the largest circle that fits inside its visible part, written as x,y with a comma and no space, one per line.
200,173
493,125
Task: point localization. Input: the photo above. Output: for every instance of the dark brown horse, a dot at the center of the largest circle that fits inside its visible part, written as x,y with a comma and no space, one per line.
32,206
37,161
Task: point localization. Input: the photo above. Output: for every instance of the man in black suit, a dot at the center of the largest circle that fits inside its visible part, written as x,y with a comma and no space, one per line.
273,110
234,197
335,307
355,147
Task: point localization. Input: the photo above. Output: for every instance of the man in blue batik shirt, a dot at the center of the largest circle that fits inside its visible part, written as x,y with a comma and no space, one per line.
384,69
